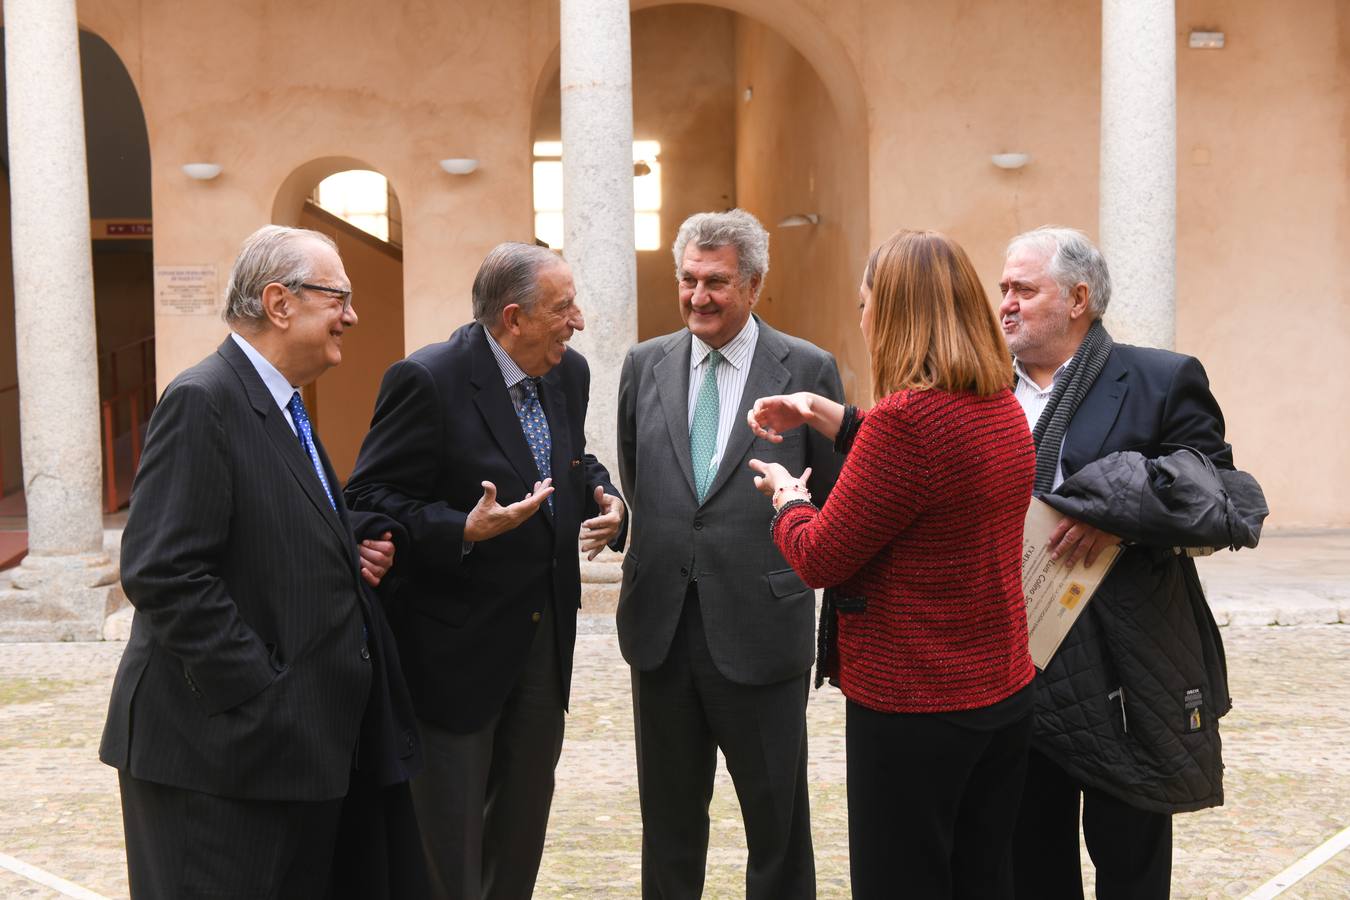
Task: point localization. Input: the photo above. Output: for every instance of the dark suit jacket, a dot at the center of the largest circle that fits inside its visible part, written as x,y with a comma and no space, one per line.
1146,400
1147,632
758,615
443,424
249,669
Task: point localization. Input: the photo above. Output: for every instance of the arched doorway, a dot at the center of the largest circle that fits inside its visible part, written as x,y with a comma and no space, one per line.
339,196
766,117
118,151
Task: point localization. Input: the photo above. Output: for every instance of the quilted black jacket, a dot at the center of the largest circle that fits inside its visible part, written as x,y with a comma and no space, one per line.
1130,703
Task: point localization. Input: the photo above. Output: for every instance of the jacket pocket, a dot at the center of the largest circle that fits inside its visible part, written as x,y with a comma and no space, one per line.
785,583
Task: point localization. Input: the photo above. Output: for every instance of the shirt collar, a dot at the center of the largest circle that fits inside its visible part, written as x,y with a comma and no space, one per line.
1022,375
512,374
276,383
736,351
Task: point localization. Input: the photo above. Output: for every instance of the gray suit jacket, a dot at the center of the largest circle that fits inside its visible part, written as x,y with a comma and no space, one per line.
758,615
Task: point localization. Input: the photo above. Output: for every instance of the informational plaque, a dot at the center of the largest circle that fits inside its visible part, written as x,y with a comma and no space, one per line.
186,290
1056,595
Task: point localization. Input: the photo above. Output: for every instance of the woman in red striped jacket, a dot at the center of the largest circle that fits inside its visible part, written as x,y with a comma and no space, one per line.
921,540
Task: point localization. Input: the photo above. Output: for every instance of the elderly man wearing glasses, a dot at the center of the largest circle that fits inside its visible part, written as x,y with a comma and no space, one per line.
258,663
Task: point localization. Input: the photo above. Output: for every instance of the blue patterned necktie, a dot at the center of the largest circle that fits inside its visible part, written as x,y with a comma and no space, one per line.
703,433
535,427
306,434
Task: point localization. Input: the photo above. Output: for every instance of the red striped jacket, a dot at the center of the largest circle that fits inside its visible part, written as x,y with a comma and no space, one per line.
925,524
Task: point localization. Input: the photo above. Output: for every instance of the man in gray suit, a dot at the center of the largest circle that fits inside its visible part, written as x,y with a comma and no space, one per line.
716,626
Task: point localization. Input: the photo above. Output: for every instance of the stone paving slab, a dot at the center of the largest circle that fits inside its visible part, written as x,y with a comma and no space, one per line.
1287,746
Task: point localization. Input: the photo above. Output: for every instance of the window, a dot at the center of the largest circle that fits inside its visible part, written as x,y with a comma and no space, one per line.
548,194
360,197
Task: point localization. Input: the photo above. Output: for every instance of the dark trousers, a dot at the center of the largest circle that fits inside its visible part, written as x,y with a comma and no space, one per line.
683,711
1130,847
184,844
932,805
483,798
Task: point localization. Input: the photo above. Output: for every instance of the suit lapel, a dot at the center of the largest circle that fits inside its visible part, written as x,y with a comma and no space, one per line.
767,376
672,386
1095,416
284,441
494,405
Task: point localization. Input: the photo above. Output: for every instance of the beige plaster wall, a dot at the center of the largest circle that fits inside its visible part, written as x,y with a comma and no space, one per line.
1263,249
345,395
793,157
683,96
262,88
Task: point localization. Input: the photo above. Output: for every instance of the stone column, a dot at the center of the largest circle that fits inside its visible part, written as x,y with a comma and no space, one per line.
53,595
597,158
1138,225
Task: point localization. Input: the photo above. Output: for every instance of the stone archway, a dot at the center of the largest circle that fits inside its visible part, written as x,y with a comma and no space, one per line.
342,400
797,145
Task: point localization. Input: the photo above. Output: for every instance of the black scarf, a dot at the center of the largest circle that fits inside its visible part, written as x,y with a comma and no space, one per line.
1071,388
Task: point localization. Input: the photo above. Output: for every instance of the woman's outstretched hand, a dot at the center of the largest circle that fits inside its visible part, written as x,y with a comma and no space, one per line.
771,416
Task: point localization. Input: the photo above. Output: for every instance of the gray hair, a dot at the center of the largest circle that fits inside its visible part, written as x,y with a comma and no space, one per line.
272,254
1073,259
509,274
733,228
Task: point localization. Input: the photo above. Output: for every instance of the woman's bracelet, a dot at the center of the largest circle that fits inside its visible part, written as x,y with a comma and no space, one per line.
796,488
848,429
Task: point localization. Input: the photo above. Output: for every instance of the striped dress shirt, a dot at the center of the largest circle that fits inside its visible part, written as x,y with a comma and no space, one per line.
731,377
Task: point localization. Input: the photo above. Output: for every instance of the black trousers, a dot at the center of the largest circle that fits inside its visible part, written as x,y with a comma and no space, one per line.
483,798
932,805
184,844
1130,847
683,711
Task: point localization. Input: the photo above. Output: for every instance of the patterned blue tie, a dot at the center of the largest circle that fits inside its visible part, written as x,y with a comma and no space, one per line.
306,433
703,432
535,426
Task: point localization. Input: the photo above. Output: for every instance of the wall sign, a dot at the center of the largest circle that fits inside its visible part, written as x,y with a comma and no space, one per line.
186,291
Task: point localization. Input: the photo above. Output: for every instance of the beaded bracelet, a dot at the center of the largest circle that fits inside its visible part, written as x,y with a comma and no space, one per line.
798,487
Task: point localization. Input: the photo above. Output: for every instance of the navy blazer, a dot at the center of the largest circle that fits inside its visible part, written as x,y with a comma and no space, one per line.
444,423
1149,401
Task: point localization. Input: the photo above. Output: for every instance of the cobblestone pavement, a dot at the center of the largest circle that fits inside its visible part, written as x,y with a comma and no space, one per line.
1287,746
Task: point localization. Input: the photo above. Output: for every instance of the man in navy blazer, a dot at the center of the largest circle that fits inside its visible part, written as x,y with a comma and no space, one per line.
1099,397
257,661
477,448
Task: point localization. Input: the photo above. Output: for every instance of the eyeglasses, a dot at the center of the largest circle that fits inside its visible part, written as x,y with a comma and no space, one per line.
345,296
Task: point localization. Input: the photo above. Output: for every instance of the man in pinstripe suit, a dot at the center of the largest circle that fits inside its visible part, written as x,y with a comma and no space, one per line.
716,626
256,658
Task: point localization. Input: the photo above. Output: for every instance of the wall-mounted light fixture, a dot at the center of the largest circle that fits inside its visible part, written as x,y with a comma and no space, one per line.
1206,40
1010,160
459,165
796,220
201,171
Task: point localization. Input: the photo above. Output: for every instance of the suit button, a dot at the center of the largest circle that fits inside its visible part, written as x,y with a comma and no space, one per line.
698,524
684,571
535,617
365,653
